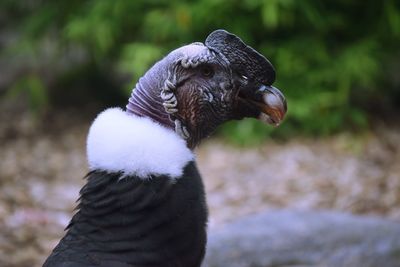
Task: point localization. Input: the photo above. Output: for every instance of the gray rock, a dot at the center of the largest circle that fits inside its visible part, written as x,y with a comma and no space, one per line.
295,238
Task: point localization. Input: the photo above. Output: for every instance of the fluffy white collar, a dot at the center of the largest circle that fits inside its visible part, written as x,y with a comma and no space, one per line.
119,141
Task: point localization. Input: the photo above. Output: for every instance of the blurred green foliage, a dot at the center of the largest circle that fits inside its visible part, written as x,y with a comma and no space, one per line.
336,61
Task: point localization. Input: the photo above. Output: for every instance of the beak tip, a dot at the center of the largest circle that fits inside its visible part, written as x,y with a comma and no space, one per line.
274,121
277,106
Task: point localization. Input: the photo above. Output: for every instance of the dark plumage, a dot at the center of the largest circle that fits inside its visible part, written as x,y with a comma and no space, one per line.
143,204
136,222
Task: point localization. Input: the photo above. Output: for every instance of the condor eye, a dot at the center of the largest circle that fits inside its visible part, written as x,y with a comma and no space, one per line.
207,71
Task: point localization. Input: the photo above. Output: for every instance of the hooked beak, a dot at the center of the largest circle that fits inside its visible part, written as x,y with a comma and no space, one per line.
256,97
273,106
268,102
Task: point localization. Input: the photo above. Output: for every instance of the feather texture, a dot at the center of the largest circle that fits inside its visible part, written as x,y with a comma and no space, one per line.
134,222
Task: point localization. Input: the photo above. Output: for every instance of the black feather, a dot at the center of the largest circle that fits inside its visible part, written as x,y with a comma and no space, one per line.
129,221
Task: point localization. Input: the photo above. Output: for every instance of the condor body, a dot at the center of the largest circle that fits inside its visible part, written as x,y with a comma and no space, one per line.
144,204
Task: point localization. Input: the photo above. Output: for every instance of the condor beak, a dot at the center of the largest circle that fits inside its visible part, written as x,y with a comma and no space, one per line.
264,102
272,105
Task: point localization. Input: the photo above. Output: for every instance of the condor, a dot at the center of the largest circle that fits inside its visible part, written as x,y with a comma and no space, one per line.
144,203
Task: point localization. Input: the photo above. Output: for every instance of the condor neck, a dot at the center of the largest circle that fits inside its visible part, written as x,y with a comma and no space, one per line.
145,101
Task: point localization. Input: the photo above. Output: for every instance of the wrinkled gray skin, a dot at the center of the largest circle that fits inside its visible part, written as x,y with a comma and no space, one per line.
199,86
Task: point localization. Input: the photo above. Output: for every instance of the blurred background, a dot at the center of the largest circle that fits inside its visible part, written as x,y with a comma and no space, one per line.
337,62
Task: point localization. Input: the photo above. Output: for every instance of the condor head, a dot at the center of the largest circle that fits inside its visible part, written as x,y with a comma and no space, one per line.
200,86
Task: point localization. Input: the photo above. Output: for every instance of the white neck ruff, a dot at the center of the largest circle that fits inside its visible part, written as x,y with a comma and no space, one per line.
122,142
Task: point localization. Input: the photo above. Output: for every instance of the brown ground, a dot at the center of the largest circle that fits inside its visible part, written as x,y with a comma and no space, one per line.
41,174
